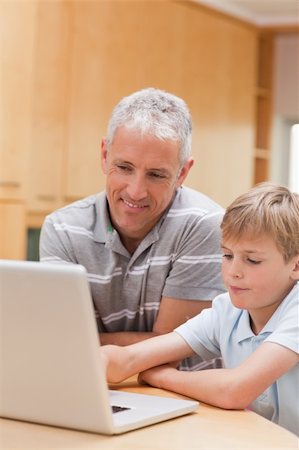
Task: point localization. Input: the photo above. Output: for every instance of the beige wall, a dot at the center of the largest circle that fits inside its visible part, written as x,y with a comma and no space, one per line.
85,55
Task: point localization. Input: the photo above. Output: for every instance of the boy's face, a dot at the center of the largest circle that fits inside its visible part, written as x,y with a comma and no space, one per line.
256,274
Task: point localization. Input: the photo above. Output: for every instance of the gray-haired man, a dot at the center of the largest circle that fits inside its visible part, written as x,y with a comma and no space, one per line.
151,247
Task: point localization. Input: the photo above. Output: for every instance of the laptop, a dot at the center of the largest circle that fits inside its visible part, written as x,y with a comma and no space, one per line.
50,368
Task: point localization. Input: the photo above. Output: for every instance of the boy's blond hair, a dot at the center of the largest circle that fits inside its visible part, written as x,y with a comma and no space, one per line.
269,209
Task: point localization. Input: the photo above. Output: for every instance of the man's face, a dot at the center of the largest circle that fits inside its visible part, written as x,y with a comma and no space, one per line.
142,176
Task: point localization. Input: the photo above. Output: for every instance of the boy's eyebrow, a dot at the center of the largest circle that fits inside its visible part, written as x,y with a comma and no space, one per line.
244,251
224,246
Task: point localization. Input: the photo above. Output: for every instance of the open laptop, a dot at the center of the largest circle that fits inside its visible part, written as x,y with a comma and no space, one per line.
50,367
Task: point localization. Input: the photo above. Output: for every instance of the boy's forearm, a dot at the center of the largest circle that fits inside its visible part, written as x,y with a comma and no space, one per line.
158,350
213,386
124,362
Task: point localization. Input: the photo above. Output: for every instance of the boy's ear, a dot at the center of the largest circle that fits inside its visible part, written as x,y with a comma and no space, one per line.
295,271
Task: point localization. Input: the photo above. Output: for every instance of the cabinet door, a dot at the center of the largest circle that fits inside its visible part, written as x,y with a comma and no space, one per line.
116,50
16,60
49,115
12,230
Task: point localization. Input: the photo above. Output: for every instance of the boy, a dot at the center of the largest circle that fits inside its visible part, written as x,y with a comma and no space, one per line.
253,327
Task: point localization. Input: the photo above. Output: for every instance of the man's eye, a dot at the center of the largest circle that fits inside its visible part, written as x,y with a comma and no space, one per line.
124,168
156,175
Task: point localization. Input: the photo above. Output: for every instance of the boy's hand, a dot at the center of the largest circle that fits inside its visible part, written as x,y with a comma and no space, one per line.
116,360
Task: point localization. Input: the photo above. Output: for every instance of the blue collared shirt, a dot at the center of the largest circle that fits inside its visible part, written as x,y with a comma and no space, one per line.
224,330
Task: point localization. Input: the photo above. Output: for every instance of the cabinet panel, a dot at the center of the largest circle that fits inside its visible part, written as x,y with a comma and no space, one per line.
263,113
12,230
209,60
118,48
17,21
219,71
49,106
86,56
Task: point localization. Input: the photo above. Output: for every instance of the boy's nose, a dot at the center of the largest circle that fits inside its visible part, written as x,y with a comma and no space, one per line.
236,269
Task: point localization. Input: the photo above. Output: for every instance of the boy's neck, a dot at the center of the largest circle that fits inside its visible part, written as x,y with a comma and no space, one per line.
260,316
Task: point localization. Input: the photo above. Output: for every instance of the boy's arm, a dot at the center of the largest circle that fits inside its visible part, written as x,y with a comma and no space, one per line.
122,362
228,388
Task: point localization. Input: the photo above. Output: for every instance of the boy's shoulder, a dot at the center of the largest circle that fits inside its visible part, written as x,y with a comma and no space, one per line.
289,305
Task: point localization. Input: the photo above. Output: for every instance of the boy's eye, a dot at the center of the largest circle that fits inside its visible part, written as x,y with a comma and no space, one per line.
227,256
253,261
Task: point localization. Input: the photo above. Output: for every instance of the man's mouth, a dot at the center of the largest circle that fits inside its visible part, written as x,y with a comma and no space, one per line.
133,205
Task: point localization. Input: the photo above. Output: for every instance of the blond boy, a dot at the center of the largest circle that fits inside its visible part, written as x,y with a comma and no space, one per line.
253,327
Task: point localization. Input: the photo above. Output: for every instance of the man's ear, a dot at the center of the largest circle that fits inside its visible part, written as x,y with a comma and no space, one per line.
295,271
104,155
184,171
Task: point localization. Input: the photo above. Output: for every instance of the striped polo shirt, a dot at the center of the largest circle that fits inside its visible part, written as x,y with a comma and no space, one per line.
179,258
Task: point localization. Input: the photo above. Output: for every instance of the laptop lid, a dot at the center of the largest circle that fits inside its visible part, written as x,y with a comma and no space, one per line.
51,370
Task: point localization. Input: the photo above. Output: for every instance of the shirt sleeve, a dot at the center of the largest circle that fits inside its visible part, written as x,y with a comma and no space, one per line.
287,331
54,246
202,332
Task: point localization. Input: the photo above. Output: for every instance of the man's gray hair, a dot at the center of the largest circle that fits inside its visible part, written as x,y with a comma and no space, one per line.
155,112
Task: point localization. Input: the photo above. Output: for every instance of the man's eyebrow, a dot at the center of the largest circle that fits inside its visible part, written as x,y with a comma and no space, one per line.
158,169
119,160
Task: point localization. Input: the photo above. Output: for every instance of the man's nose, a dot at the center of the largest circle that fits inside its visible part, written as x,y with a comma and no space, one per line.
137,188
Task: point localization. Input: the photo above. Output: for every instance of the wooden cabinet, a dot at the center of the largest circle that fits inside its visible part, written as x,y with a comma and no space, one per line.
12,230
208,59
263,106
16,19
49,108
66,64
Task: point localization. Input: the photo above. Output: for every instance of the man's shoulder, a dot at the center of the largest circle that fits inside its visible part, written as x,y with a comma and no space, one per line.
83,207
194,207
190,198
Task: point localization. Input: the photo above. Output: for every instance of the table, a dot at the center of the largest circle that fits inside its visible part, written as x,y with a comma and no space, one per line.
207,428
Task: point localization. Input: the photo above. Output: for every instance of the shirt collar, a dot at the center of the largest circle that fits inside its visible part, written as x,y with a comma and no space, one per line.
103,227
244,330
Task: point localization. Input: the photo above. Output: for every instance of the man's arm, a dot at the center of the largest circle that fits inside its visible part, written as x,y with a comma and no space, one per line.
228,388
172,313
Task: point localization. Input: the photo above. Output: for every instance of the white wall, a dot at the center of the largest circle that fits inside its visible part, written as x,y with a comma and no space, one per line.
285,103
286,76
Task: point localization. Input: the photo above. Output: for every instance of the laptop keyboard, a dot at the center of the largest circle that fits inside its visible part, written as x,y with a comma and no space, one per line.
116,409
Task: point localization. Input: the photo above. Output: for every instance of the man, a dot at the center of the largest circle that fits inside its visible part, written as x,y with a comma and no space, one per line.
151,247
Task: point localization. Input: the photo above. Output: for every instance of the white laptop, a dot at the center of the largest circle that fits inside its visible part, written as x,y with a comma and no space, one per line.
50,366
